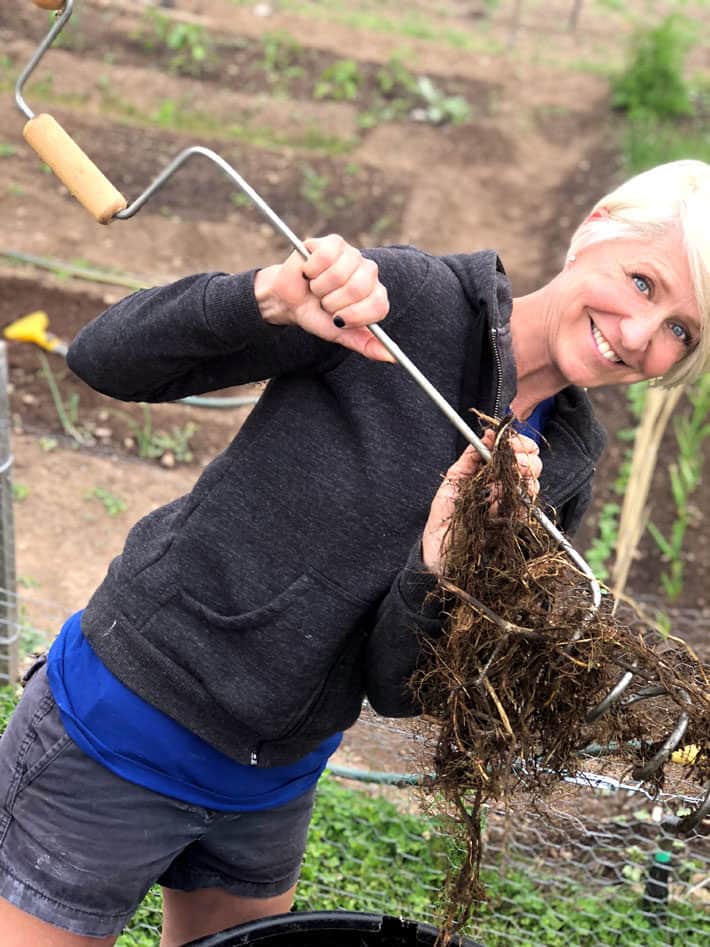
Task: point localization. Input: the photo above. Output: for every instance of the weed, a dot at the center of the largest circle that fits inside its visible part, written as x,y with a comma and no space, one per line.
394,78
240,199
28,582
67,410
281,52
314,189
167,114
113,505
339,82
20,492
7,151
48,444
14,190
153,445
174,444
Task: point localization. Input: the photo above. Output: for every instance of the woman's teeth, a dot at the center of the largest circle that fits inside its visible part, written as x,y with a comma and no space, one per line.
606,350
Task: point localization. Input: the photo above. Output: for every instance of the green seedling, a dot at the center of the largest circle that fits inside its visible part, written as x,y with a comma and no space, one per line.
28,582
48,444
191,47
339,82
161,445
281,52
113,505
314,189
67,409
20,492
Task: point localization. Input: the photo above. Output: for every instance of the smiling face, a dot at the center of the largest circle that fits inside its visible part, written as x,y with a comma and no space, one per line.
624,311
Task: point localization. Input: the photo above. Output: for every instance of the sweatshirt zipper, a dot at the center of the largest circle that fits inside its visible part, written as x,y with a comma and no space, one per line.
254,758
499,372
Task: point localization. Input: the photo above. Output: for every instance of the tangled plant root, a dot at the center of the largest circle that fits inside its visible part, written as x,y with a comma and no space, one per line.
521,661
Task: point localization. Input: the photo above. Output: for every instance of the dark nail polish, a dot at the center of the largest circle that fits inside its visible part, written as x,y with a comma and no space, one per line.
339,322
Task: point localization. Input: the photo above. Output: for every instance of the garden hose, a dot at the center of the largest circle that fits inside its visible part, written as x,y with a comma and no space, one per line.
96,193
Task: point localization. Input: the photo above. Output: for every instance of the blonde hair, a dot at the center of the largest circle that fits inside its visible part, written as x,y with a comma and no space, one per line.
645,206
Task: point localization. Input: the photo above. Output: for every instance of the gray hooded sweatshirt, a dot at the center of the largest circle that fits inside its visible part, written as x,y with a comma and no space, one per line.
259,609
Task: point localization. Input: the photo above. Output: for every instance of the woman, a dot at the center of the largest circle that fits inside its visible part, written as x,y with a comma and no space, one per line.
178,729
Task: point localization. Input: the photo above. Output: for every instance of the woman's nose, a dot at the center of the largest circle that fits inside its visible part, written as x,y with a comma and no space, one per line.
637,331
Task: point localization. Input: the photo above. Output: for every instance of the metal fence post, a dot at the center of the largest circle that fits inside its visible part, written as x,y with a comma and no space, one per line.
9,639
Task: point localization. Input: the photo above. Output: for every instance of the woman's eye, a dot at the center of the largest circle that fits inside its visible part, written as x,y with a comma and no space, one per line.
681,333
642,283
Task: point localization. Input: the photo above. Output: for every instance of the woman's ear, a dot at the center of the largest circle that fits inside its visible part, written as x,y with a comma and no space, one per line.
601,213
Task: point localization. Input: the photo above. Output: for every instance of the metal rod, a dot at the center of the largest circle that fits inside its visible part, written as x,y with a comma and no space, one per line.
58,26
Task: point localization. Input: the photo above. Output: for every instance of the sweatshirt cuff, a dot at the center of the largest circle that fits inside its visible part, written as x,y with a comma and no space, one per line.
234,314
418,587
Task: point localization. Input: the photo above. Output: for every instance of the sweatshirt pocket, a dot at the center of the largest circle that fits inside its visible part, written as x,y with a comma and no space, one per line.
265,667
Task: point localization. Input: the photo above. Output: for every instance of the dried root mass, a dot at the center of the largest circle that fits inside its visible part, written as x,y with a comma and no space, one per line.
522,660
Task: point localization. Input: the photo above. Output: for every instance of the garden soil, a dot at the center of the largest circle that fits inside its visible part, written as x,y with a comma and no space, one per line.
539,146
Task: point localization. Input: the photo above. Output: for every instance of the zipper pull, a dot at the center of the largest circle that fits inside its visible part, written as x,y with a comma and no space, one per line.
253,759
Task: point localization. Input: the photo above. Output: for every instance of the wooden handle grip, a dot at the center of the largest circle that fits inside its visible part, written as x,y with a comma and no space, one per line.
49,4
74,168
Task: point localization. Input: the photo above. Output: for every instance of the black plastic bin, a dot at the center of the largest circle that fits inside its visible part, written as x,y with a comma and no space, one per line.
329,929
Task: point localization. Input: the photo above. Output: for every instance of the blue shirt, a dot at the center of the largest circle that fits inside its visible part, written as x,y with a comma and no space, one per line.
534,426
143,745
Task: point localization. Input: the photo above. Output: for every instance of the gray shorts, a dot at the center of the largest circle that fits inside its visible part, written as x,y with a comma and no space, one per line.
80,847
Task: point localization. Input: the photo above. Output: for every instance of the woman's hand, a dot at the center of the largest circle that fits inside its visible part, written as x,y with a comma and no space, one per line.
334,294
434,538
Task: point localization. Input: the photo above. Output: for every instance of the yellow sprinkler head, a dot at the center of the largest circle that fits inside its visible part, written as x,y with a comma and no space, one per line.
33,328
